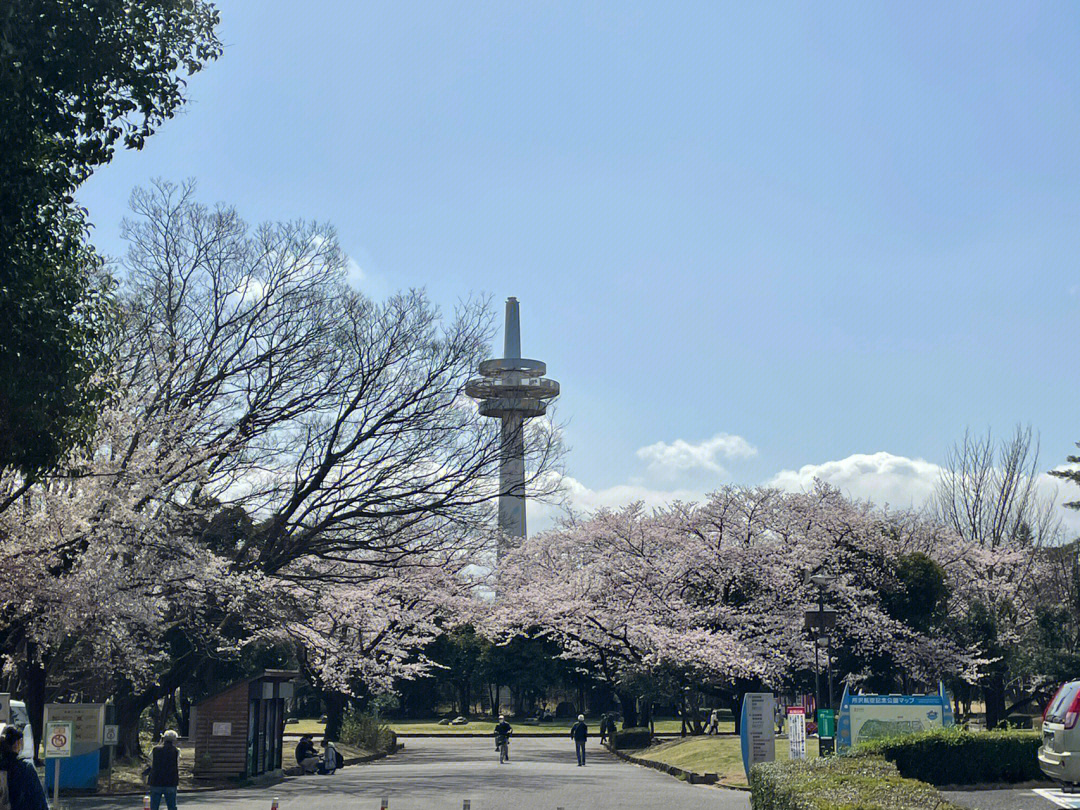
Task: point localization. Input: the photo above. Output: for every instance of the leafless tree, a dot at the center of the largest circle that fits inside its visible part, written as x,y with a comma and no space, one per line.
989,494
338,421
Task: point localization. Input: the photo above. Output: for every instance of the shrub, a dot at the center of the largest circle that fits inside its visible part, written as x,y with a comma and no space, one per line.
632,738
959,757
364,731
839,783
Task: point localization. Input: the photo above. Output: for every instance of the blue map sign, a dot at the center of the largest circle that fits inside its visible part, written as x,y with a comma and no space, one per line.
869,717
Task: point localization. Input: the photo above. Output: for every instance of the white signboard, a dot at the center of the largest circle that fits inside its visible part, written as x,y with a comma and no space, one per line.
757,730
58,739
5,708
111,736
222,729
796,731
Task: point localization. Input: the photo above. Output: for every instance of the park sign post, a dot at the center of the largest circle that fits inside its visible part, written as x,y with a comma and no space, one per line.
796,731
868,717
58,739
756,729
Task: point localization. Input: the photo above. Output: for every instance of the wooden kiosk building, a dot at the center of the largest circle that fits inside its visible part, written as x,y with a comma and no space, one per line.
238,732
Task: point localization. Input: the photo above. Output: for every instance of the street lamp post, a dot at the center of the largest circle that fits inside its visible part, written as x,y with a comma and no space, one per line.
823,624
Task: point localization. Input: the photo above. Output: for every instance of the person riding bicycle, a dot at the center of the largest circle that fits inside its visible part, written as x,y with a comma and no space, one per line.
502,739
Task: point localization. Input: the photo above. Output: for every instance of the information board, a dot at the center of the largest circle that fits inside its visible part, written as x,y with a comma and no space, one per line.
796,731
87,721
869,717
111,735
5,708
757,732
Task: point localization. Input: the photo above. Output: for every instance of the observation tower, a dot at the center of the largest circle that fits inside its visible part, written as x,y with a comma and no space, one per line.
512,389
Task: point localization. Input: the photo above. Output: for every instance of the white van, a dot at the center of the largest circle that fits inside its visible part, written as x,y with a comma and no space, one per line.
20,718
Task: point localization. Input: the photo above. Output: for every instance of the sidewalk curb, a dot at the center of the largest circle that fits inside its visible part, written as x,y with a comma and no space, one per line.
679,773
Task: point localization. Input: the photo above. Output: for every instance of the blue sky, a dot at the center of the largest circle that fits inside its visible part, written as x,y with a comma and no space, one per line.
747,238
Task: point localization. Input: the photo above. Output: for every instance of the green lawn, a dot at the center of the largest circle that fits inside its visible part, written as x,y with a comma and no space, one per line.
719,755
555,727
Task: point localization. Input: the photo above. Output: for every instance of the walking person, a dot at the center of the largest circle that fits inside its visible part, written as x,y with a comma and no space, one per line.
579,734
714,723
20,788
603,728
165,771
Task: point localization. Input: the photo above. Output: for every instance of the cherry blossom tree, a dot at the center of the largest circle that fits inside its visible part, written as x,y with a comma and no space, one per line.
715,593
285,458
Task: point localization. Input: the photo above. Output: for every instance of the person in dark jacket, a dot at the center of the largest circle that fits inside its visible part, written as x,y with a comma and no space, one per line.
306,755
20,787
502,739
607,725
579,733
165,771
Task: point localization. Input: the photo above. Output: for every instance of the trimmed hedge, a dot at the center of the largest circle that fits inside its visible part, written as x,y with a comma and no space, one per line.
959,757
839,783
631,738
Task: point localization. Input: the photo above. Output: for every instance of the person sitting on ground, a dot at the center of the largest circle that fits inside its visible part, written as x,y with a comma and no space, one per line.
165,771
20,789
579,733
331,759
306,755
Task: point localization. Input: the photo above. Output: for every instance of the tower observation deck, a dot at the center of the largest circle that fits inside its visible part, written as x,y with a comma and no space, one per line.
512,389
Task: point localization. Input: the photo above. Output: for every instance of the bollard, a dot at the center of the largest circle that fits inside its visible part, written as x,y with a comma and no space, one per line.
273,805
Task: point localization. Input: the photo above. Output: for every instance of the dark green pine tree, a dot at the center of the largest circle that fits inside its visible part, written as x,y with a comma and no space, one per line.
1070,475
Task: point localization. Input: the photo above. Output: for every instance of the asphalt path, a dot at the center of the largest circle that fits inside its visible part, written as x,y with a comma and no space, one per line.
1013,799
437,773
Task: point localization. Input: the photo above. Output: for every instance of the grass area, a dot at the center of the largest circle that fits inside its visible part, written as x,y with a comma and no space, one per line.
719,755
553,728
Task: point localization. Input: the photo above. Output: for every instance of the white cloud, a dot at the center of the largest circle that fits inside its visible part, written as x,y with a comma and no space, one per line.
354,273
882,477
582,499
680,456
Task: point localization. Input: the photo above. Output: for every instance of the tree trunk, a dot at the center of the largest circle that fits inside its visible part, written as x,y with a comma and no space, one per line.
994,696
35,695
734,702
645,713
335,714
129,708
628,703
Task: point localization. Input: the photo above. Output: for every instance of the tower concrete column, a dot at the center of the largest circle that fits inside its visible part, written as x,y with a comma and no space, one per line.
512,477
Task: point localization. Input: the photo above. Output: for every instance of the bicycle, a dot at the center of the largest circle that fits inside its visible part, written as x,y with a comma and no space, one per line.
502,745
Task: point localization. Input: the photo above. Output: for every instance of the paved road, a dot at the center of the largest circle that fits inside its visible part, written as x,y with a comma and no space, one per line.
1014,799
437,774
